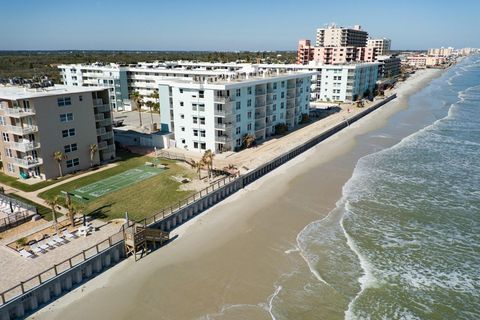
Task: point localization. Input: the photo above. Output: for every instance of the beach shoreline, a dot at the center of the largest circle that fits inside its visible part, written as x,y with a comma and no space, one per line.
209,245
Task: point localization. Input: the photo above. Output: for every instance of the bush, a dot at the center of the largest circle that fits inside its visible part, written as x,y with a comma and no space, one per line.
281,128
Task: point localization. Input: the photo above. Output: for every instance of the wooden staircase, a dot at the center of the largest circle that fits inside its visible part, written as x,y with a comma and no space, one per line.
137,237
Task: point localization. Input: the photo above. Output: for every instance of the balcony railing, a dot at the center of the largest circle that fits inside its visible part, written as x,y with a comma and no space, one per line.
222,99
222,139
99,117
16,112
102,107
26,163
20,130
23,146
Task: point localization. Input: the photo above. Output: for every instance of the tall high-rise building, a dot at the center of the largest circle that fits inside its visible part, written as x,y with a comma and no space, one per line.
382,45
334,36
304,52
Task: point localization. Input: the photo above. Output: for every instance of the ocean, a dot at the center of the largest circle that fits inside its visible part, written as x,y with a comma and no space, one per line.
404,239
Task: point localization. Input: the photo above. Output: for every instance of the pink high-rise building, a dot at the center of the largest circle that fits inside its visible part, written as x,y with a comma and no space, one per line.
304,52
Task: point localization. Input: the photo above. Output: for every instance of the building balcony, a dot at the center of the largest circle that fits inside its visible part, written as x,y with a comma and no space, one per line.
260,92
102,107
222,99
23,146
259,115
223,126
26,163
20,130
99,117
102,145
223,113
222,139
16,112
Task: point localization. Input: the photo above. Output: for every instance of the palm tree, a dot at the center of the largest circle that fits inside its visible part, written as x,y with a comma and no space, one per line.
93,148
156,96
248,140
208,160
59,156
71,212
150,106
137,99
54,204
198,166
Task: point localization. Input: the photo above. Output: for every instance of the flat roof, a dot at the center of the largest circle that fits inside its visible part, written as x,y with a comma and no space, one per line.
11,92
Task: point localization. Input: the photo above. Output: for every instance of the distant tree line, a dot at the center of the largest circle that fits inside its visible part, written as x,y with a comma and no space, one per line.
36,64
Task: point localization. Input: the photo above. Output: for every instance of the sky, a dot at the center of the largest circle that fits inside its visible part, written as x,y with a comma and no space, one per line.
229,25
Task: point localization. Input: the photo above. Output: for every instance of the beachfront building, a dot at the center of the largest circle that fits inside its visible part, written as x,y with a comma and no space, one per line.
334,36
304,52
382,45
36,123
218,112
388,67
343,55
446,52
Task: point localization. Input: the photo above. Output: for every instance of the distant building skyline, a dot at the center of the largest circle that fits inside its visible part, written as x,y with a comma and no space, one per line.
230,26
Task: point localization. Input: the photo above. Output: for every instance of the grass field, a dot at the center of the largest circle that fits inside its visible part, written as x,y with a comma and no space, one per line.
116,182
140,199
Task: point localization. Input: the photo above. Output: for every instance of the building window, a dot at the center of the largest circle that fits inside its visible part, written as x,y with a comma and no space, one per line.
195,132
274,107
201,94
70,147
283,84
66,117
6,137
73,163
238,105
282,105
10,167
202,120
283,94
68,132
238,130
249,90
181,90
9,153
182,116
274,86
274,97
182,128
249,102
238,93
238,118
203,146
249,127
202,133
65,101
195,120
249,115
239,142
2,121
195,145
80,98
181,103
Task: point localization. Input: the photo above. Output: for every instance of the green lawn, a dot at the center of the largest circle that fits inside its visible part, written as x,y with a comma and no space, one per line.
15,183
140,200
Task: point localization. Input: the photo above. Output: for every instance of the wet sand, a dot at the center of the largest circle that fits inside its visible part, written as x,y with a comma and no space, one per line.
225,262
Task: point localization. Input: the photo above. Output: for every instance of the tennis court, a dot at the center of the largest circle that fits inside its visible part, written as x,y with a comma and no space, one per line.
116,182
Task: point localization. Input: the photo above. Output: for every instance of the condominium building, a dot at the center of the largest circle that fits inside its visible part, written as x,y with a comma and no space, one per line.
334,36
218,112
304,52
441,52
382,45
343,55
36,123
389,66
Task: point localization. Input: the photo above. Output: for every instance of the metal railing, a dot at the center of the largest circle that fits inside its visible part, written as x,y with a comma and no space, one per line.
60,268
23,146
20,130
20,112
26,163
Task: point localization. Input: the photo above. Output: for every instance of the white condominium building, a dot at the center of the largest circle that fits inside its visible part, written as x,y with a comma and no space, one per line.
382,45
334,36
36,123
218,112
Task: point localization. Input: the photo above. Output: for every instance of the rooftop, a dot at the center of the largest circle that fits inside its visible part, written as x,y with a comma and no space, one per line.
12,92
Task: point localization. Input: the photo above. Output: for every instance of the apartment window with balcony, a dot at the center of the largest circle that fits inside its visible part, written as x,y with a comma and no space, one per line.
238,130
64,101
238,105
238,118
73,163
66,117
238,92
6,137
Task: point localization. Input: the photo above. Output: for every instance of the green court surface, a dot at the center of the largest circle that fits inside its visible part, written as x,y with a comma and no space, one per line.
116,182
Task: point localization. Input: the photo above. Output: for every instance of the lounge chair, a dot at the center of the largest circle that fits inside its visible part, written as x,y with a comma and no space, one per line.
51,243
59,240
37,249
24,253
44,246
68,235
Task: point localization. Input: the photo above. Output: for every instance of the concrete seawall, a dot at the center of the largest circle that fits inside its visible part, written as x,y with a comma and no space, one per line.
66,281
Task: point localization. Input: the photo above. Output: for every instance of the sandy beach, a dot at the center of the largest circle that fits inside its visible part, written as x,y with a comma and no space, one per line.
225,262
